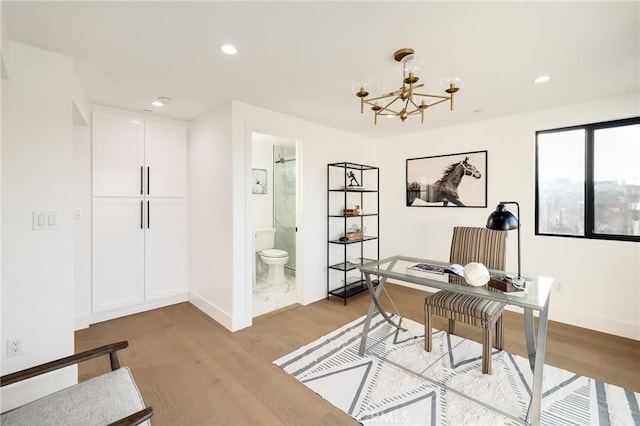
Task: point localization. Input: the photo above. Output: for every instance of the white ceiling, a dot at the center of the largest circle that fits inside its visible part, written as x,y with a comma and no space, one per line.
301,58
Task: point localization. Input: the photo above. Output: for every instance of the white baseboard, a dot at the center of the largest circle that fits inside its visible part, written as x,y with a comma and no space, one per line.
82,321
212,310
135,309
596,322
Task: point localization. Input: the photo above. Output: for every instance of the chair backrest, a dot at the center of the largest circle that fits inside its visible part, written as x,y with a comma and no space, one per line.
470,244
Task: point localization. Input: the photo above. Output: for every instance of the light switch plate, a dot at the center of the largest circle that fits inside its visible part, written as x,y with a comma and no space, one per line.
43,221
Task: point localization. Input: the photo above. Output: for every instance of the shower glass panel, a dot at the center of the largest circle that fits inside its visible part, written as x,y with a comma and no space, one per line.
284,201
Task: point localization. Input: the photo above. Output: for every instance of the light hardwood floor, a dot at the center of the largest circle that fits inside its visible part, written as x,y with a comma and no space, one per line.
195,372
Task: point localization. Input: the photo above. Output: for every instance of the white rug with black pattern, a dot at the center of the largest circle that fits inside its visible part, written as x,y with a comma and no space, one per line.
383,388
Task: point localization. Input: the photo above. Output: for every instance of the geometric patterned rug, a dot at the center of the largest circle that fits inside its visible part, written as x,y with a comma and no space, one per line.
397,382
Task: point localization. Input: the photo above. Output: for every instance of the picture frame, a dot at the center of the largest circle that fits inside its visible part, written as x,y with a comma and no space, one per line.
259,181
450,180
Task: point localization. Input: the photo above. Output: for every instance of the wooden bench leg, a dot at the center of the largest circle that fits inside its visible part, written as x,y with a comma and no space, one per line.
452,326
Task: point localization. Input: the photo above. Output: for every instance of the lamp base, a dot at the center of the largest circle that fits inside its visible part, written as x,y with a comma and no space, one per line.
507,284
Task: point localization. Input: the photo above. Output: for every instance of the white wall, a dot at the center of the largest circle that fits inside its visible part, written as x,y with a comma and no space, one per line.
37,175
262,158
211,215
600,279
221,206
81,203
4,46
82,224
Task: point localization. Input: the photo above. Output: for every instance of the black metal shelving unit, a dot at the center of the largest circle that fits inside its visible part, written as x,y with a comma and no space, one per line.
343,277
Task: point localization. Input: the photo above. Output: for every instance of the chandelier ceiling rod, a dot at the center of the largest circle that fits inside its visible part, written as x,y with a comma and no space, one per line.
406,95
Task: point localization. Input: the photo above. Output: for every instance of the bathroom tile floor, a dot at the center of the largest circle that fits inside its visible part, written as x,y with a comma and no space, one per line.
268,297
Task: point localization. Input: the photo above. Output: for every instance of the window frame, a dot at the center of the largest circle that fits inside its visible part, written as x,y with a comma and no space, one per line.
589,202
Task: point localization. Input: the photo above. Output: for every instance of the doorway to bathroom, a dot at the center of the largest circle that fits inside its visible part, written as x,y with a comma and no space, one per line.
274,196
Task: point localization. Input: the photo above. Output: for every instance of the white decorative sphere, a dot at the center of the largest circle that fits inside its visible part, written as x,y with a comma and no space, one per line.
476,274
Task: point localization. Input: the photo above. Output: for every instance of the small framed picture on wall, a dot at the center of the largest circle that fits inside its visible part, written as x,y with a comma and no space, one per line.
259,181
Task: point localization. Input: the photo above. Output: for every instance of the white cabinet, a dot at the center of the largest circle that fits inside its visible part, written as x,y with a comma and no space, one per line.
165,160
165,241
139,213
118,253
134,157
118,155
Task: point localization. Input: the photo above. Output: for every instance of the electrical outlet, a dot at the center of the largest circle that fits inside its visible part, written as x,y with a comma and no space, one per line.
558,286
14,346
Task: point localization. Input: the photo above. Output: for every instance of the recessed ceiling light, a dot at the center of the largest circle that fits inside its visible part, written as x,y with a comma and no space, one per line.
542,79
161,101
229,49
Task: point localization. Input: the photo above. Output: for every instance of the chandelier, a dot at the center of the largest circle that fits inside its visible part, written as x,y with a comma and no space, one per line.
405,101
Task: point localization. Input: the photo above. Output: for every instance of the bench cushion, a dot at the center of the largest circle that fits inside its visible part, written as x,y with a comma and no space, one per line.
97,401
473,310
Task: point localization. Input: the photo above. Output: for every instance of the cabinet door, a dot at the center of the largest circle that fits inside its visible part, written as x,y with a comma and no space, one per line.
118,253
165,247
165,159
118,153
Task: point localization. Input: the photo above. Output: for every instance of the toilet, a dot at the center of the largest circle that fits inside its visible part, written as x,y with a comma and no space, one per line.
274,259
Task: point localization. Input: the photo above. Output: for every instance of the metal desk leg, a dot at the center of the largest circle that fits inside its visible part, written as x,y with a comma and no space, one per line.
530,336
533,416
375,304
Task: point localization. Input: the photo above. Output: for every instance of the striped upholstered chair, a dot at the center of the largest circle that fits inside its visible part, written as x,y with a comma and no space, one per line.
471,245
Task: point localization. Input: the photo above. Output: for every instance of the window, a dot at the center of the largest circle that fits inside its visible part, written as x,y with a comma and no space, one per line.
588,181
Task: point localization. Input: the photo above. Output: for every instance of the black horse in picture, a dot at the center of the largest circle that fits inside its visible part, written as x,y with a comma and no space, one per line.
445,189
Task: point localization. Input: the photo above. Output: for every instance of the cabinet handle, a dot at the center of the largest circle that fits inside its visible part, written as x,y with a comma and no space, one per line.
141,214
148,215
148,180
141,184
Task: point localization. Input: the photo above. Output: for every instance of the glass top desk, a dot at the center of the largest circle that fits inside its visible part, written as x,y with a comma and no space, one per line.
535,299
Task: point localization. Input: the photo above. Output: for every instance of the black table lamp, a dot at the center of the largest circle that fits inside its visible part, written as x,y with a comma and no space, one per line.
503,220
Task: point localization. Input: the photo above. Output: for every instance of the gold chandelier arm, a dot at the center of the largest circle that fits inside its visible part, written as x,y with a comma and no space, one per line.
386,107
426,95
444,99
388,95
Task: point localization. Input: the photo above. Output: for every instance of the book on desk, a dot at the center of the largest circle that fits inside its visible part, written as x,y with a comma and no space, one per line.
454,268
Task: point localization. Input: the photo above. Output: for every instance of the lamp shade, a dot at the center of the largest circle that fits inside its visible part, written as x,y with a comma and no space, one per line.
502,219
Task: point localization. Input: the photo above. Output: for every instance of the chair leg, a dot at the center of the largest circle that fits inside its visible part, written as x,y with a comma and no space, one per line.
427,329
486,349
499,333
452,326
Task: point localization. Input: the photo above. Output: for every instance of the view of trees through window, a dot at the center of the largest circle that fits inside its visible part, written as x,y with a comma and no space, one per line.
588,181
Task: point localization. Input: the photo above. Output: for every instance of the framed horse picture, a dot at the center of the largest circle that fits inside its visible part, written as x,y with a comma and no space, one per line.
452,180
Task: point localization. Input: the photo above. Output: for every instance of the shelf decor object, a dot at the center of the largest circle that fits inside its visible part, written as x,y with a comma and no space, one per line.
405,101
352,228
